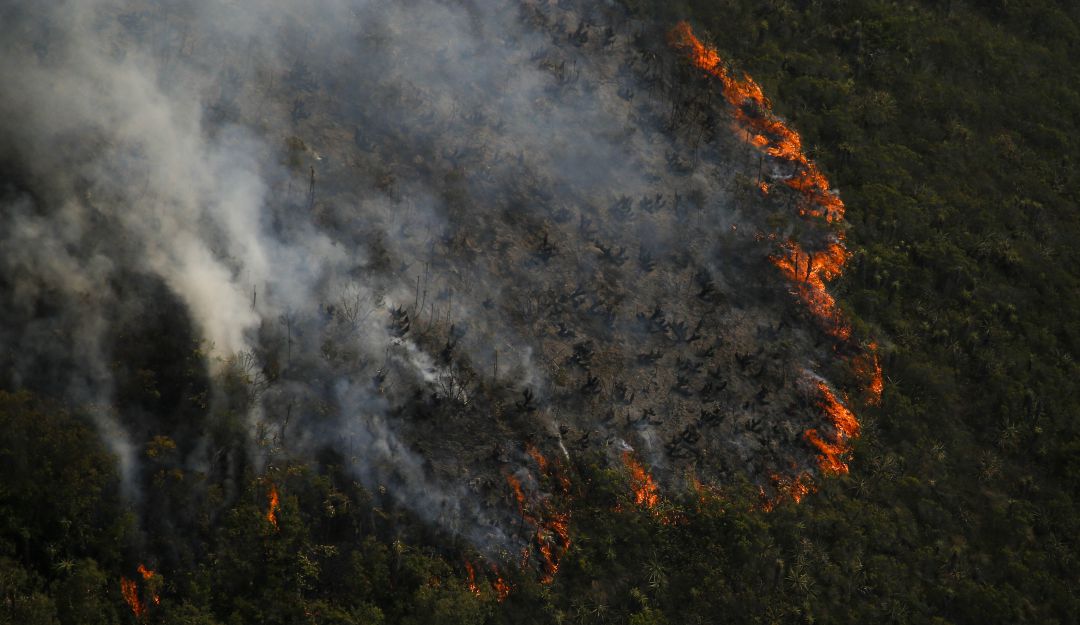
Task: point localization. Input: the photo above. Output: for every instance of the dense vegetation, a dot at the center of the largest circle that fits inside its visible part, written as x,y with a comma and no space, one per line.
951,132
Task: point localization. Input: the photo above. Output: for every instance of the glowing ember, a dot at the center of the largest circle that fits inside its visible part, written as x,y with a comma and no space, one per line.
274,506
502,589
646,493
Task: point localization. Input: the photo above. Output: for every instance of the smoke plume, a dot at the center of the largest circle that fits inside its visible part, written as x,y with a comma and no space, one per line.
421,234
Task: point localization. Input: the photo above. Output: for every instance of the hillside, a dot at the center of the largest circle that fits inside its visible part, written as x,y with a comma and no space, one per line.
442,312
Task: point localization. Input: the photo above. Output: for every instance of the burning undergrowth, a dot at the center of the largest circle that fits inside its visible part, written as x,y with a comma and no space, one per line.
460,246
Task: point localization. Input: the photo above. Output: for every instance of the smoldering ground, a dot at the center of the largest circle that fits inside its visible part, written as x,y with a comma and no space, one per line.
420,234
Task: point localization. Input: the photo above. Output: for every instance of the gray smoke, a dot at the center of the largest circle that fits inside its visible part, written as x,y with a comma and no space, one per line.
416,232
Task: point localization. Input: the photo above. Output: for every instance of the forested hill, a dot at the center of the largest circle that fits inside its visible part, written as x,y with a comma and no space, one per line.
950,130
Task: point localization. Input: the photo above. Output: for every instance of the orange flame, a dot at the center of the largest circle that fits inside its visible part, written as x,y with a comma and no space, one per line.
519,494
831,453
793,488
705,492
472,578
541,461
847,426
868,367
274,506
764,129
551,533
768,132
646,493
147,575
808,273
502,589
130,590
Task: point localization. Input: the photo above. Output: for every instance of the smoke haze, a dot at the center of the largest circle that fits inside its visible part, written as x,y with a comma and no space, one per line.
420,234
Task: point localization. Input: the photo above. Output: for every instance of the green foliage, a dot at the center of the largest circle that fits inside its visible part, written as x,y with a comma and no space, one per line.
23,599
58,500
82,595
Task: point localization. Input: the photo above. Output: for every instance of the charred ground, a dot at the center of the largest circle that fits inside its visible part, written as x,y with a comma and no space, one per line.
547,185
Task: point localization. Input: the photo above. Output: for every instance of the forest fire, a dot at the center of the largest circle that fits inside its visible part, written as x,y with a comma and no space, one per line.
807,272
843,419
646,493
765,130
793,488
868,367
550,527
535,454
473,588
130,590
273,507
796,488
502,589
831,453
147,575
705,492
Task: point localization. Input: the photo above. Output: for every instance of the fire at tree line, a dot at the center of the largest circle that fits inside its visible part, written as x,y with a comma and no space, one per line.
725,393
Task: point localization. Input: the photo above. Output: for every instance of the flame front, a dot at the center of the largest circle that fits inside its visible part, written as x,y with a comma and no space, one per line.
753,111
808,273
831,453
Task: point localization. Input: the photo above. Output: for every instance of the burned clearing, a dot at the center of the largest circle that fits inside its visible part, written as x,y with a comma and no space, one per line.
480,247
604,286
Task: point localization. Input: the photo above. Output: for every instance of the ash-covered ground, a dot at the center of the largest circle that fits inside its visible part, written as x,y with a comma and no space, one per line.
421,235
